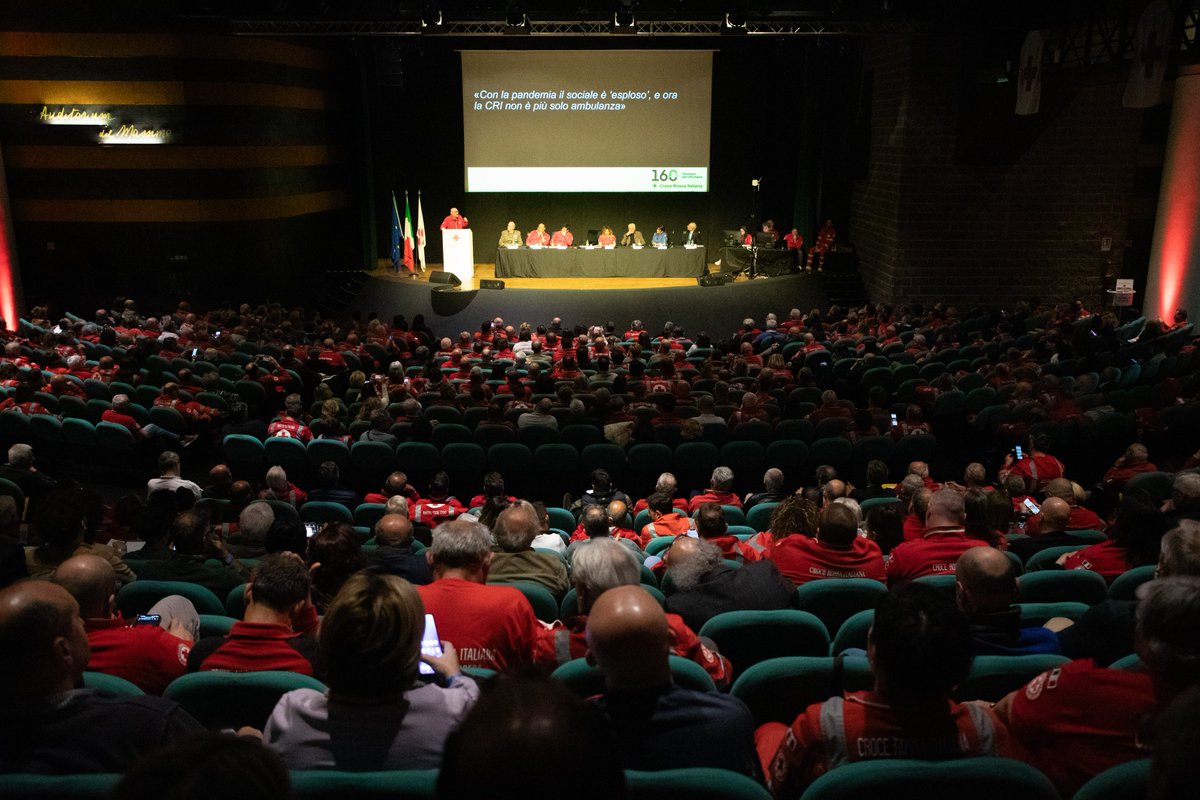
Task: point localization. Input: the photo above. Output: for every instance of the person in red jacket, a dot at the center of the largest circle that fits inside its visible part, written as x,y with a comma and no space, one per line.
1081,519
665,519
1036,468
836,552
438,506
938,550
1134,461
1077,720
455,221
491,626
538,237
920,649
711,527
148,655
720,491
276,632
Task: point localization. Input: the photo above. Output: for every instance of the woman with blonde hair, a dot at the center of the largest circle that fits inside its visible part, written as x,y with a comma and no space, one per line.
377,714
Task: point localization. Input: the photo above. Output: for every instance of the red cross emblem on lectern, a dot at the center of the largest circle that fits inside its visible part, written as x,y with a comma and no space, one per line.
455,237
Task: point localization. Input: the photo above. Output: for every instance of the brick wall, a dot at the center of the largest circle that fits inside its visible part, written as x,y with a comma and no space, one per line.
966,202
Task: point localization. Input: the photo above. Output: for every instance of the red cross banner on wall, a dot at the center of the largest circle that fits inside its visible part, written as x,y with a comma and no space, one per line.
1150,53
1029,77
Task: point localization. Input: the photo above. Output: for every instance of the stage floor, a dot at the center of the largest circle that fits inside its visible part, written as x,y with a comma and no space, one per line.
488,271
716,309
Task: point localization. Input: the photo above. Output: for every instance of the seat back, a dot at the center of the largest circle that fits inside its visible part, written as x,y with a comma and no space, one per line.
983,778
331,784
138,597
110,685
992,677
835,600
1126,585
748,637
1055,586
779,689
1129,781
233,699
696,783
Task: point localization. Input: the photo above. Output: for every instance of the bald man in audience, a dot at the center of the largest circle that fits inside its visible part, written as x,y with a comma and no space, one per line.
1081,519
986,588
48,724
515,559
944,540
149,655
394,552
660,724
1134,461
772,490
832,490
601,564
1052,530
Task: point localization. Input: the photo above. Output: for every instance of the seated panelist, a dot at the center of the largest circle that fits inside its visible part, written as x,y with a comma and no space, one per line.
606,238
538,237
562,237
633,236
659,237
510,235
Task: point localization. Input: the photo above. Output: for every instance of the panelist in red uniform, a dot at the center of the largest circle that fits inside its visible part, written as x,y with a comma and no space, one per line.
794,240
562,238
606,238
455,221
539,236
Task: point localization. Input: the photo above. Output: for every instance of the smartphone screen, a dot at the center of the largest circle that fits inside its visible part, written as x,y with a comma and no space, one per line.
894,421
310,529
148,619
1032,506
431,645
1017,452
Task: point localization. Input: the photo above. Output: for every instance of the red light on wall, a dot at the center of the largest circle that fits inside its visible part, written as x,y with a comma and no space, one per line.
10,283
1173,279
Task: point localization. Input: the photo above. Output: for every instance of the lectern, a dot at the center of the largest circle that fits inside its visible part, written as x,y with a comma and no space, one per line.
458,255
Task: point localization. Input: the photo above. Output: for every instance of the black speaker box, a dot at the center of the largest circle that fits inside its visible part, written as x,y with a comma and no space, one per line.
714,279
489,283
444,277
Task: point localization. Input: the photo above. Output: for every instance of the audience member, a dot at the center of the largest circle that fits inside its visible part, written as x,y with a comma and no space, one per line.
659,724
375,715
168,467
275,632
197,555
491,626
837,551
516,560
986,588
937,551
919,647
704,585
394,550
720,491
49,724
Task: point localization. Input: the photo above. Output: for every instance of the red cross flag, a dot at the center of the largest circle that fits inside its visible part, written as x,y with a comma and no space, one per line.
1150,52
420,232
1029,74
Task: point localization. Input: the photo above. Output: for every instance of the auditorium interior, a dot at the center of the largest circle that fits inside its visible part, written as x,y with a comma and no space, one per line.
716,399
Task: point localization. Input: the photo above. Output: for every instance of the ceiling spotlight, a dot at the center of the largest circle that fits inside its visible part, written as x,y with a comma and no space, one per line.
431,17
516,19
735,19
623,17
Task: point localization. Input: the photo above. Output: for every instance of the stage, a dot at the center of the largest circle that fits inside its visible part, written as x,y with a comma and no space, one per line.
718,310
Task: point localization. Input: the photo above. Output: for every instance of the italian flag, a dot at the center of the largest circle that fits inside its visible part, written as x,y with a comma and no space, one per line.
408,236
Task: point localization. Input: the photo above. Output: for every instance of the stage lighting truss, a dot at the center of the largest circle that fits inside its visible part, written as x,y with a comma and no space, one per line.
483,28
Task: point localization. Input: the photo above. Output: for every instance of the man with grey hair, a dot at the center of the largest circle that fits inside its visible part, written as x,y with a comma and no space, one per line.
720,491
515,529
1080,719
602,564
598,523
21,471
280,488
492,627
668,485
915,497
1184,502
169,479
704,585
254,522
772,489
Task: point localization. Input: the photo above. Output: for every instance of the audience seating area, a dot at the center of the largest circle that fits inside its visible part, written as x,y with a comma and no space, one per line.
961,387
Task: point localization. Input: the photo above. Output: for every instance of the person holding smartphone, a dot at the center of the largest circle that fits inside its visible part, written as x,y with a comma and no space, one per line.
378,714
